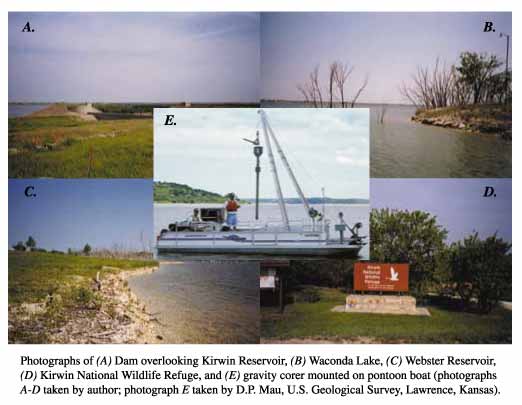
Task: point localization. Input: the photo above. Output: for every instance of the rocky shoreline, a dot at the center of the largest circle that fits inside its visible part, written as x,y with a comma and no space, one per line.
491,120
116,316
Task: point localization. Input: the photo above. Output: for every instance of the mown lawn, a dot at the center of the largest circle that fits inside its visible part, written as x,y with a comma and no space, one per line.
303,320
35,275
68,147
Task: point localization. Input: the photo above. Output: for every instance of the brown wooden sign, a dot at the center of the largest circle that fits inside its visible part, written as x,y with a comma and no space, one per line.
380,276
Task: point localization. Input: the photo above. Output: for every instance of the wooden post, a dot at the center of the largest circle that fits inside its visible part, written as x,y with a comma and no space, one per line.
281,294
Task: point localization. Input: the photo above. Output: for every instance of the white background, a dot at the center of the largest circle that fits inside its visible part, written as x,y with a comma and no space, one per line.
508,356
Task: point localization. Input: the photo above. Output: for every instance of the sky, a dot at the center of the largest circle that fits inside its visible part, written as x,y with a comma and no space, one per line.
70,213
458,203
385,47
134,57
326,148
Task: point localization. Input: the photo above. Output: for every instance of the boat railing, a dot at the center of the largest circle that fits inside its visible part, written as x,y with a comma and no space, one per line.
298,226
277,228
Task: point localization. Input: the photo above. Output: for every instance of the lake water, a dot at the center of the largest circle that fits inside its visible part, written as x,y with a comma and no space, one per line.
168,213
202,302
401,148
214,299
19,110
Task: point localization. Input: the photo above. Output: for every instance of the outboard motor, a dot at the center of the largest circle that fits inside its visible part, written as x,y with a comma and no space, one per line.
356,239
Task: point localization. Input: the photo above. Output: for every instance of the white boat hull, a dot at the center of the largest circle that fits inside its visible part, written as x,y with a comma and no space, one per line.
264,243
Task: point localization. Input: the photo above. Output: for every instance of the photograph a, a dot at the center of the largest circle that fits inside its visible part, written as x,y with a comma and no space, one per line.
81,100
275,187
438,84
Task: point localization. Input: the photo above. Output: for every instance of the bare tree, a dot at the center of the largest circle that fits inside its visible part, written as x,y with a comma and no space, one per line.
342,72
332,72
361,89
338,74
316,87
431,88
311,90
305,92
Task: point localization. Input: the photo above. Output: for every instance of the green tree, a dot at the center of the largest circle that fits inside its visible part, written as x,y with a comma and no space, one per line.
410,237
481,270
476,71
19,246
31,243
87,249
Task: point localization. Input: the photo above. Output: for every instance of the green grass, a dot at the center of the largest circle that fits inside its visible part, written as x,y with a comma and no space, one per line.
66,147
22,124
33,275
316,320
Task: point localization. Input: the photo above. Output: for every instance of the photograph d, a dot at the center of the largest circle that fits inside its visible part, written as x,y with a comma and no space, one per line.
440,272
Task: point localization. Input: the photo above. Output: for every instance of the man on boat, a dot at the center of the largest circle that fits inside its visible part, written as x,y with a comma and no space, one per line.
195,215
231,207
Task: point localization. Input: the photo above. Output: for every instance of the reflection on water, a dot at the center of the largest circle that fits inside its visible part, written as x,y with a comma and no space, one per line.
401,148
168,213
203,302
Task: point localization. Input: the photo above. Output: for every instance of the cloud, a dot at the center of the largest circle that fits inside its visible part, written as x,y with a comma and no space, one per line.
206,147
351,157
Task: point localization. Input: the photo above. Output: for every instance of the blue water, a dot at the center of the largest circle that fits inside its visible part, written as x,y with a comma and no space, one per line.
19,110
401,148
202,302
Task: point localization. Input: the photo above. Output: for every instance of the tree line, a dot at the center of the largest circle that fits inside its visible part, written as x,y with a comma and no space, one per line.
476,78
30,245
476,270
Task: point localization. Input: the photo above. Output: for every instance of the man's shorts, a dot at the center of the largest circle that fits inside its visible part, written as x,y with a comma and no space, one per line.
231,219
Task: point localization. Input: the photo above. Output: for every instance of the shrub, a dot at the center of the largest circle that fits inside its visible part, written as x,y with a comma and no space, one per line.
481,270
309,294
19,246
410,237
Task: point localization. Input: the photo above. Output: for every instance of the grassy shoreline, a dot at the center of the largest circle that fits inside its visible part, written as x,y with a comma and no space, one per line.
305,322
492,119
56,298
